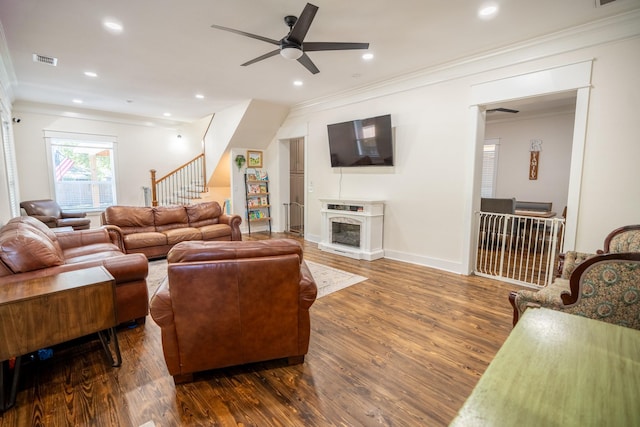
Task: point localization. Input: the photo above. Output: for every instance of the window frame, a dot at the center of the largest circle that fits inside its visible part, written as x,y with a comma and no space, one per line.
54,139
493,174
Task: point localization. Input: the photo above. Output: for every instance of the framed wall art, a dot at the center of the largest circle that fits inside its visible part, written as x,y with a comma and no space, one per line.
254,159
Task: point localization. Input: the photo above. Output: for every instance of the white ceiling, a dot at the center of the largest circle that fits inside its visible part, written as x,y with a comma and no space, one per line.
168,51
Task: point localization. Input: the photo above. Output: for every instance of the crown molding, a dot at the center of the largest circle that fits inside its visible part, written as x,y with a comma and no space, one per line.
604,31
96,115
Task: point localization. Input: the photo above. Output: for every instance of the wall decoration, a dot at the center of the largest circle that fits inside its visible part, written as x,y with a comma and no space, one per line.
533,165
255,159
240,160
535,147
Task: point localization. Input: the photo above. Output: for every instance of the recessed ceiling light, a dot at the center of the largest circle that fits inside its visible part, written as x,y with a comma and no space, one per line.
167,114
77,101
487,11
113,26
90,74
298,83
367,56
199,96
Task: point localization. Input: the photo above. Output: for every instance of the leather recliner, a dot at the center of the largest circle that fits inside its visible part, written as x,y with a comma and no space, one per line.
233,303
49,212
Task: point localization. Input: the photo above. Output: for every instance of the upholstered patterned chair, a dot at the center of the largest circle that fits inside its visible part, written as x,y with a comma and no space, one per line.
589,296
623,239
603,287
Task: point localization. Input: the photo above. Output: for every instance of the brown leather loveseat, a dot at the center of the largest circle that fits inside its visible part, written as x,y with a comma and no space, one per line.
29,249
153,231
232,303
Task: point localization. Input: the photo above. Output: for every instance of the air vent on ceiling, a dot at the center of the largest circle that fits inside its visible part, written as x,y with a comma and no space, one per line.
603,2
49,60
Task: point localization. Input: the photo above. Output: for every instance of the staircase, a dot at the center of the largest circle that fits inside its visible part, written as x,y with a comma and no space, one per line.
181,186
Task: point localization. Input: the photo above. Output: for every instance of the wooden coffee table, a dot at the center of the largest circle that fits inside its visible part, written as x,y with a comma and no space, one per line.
42,312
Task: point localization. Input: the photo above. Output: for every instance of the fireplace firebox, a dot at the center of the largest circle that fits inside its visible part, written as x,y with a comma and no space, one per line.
353,228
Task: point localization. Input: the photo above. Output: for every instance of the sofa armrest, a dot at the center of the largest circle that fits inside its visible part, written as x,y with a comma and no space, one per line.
550,297
308,288
116,235
161,310
64,214
82,238
234,222
127,268
571,260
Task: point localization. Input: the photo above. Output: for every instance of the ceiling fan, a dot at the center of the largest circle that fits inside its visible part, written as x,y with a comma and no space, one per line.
291,46
503,110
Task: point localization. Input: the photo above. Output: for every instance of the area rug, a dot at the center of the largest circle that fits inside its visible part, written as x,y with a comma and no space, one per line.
328,279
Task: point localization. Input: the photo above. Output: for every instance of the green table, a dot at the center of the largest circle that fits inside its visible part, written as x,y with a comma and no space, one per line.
559,369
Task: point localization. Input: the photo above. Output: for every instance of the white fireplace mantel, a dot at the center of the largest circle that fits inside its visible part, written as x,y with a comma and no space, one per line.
366,214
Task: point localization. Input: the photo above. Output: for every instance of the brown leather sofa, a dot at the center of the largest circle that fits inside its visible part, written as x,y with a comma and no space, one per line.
29,249
232,303
153,231
49,212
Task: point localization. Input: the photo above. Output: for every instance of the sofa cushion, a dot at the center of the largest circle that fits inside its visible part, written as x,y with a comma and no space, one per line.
38,227
170,217
215,231
178,235
144,240
202,214
130,219
23,249
91,251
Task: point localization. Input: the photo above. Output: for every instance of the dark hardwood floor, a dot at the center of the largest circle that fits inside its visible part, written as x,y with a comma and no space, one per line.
403,348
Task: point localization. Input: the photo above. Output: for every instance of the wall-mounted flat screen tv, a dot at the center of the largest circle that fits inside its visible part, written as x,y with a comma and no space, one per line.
366,142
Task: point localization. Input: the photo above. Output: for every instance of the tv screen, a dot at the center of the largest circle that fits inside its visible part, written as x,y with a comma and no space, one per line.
366,142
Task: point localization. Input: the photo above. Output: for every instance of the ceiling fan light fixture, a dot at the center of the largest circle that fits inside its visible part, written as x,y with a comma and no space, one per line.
291,52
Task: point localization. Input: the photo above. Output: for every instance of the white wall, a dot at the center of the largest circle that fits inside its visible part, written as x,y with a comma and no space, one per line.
425,192
141,147
552,185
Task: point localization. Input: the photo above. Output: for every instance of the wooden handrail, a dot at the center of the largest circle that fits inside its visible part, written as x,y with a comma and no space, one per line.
179,168
175,179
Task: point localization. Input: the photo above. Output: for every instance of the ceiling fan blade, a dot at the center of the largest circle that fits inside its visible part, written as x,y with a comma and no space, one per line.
260,58
308,64
503,110
299,30
318,46
242,33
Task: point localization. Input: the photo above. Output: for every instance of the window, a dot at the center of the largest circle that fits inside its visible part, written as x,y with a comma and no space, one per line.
82,170
10,166
489,167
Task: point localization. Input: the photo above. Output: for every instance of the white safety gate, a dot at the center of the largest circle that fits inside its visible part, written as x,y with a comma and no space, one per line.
518,249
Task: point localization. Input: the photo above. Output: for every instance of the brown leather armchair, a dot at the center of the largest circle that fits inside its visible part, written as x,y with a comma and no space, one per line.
232,303
49,212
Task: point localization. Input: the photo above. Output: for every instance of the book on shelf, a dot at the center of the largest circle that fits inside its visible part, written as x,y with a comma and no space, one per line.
261,175
257,214
254,189
256,174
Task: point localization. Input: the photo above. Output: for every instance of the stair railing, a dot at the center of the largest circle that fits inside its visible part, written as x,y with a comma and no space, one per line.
180,186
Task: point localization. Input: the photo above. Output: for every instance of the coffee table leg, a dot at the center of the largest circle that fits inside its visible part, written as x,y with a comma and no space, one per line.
7,402
107,336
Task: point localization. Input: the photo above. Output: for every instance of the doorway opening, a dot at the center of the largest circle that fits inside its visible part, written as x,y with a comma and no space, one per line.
294,209
572,79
